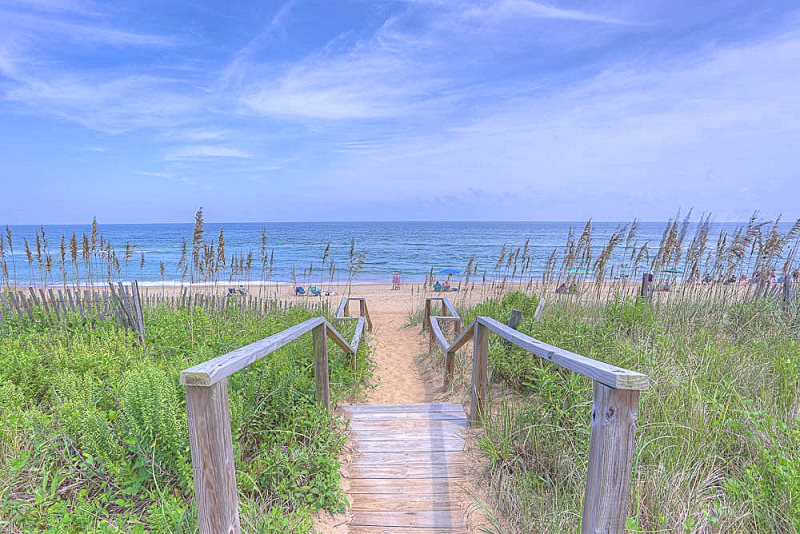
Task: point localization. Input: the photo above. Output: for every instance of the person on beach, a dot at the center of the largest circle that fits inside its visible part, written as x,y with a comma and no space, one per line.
395,280
796,275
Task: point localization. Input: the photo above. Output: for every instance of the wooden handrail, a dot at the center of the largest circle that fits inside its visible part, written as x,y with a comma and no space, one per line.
209,416
614,408
343,311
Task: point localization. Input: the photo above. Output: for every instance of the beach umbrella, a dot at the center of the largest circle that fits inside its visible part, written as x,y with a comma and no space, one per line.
578,271
449,271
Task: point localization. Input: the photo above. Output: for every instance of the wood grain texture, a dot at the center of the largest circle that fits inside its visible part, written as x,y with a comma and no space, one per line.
480,373
611,447
408,473
212,458
321,378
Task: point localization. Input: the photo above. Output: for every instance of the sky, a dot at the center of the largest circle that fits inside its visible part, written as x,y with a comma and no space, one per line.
397,110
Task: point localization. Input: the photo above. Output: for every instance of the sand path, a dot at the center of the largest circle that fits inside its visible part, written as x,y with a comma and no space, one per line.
397,377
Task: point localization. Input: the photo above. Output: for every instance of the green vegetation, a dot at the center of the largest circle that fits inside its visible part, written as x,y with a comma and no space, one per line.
719,430
94,437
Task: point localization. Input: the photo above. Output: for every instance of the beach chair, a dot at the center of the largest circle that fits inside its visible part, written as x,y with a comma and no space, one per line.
315,291
299,290
437,287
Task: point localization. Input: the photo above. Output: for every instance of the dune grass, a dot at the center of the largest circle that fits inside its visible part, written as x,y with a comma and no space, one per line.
719,430
94,437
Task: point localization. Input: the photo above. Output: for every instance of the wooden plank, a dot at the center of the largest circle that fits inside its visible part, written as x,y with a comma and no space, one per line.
338,339
453,518
605,373
407,471
402,530
216,369
438,334
413,501
137,308
611,447
395,424
418,445
407,434
411,486
357,340
407,457
463,337
437,416
404,408
446,303
340,310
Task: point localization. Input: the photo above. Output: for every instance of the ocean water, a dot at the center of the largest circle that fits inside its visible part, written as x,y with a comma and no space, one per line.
411,248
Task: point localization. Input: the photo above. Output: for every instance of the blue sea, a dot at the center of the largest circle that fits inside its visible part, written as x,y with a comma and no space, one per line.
411,248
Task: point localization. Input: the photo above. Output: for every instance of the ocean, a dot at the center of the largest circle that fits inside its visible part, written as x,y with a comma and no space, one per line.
410,248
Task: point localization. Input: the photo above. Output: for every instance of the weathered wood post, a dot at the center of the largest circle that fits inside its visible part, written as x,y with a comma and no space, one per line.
362,308
320,339
611,447
426,315
513,322
212,458
646,291
787,287
480,372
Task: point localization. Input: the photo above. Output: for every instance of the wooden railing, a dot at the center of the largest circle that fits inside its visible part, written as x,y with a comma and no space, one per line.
207,407
614,409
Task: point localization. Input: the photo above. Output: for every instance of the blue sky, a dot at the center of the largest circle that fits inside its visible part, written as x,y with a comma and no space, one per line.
397,110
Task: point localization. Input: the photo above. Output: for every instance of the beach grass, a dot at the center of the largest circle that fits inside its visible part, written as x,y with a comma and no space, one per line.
93,430
719,429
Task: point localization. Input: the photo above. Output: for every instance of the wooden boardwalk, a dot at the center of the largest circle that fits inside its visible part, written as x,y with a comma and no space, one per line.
408,472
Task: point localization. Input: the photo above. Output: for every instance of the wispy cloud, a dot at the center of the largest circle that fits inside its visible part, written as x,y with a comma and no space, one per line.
689,129
30,26
205,151
521,9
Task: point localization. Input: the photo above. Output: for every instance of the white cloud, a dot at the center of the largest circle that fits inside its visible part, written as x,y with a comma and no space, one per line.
370,82
704,130
520,9
205,151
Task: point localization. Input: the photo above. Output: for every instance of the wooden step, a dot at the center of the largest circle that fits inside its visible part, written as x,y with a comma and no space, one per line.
451,518
408,471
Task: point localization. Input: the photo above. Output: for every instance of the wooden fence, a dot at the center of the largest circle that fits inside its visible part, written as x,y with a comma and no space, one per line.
53,305
614,410
125,304
210,438
212,302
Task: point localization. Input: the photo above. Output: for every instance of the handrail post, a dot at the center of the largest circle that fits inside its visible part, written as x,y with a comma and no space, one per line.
211,447
426,317
480,372
320,339
611,447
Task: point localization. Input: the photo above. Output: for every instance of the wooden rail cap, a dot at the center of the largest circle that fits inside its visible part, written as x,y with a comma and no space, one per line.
212,371
610,375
